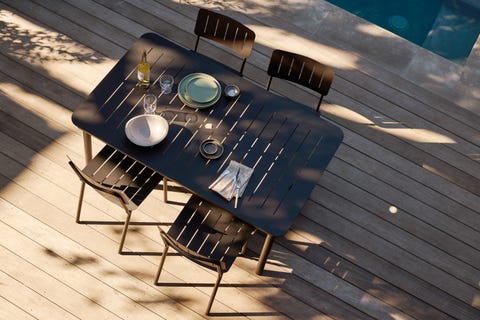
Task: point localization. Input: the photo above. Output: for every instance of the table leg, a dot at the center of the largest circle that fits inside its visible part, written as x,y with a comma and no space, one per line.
87,146
267,246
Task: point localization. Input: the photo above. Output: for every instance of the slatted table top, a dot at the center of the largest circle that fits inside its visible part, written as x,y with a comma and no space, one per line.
286,143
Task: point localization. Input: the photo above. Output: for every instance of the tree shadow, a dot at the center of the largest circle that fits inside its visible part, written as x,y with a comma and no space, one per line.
39,45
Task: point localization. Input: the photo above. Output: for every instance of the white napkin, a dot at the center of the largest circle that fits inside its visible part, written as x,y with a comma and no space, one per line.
232,181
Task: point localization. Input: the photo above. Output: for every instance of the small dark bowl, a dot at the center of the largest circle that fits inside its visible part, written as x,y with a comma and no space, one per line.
231,91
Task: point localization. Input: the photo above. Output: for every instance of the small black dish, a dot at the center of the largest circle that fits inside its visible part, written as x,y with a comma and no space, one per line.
211,149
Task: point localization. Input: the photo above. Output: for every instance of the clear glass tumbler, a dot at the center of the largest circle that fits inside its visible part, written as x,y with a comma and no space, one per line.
150,103
166,83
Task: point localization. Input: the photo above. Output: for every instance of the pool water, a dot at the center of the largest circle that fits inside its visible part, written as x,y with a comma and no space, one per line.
448,28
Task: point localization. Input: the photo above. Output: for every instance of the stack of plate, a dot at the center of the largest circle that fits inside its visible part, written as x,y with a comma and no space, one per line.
199,90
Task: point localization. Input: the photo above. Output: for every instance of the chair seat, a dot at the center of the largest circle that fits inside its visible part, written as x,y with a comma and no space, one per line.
210,231
112,168
119,179
208,236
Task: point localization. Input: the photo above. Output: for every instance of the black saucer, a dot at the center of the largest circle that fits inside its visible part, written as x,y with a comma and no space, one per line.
211,149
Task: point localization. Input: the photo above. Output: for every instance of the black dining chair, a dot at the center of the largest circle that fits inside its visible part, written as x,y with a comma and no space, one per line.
301,70
118,178
208,236
226,31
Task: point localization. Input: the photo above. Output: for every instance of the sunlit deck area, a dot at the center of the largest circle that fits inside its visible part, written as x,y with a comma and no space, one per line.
390,232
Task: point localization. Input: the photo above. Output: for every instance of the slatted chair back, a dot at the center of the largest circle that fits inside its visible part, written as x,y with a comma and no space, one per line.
118,178
113,195
226,31
208,236
301,70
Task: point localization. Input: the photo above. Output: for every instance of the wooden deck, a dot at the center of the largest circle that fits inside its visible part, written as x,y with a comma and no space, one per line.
391,231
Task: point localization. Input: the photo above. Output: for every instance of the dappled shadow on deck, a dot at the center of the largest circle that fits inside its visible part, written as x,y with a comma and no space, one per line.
312,272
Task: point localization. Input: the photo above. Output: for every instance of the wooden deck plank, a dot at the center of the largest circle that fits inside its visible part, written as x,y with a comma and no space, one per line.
11,310
426,133
64,294
464,205
334,238
61,58
399,243
30,301
404,108
306,239
100,27
420,239
333,285
411,185
385,248
63,25
346,256
438,166
368,192
69,252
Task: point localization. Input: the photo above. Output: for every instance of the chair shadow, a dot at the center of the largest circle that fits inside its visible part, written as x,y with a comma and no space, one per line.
120,223
207,285
140,253
245,314
176,203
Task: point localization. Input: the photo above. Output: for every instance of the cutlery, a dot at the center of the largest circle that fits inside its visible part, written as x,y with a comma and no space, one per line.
237,187
214,183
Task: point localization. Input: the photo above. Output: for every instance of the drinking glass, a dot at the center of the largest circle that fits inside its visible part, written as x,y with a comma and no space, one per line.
166,83
150,103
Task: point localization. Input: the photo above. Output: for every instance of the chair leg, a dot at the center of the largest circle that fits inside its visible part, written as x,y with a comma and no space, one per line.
162,261
80,201
244,248
269,83
196,43
165,180
242,67
214,292
319,103
124,233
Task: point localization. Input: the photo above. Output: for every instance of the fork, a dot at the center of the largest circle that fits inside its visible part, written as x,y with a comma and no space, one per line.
237,187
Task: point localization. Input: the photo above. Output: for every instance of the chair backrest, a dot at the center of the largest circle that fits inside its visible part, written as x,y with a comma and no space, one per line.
207,235
192,255
225,30
113,195
301,70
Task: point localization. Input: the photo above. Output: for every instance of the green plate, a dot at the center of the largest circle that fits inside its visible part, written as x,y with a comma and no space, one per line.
199,90
202,89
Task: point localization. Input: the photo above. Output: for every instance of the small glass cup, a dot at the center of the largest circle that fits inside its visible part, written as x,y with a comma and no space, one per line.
166,83
231,91
150,103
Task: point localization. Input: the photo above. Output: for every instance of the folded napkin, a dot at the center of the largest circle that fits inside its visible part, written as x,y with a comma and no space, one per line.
232,181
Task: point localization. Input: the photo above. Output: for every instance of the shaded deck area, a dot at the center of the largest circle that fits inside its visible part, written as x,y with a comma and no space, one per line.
391,231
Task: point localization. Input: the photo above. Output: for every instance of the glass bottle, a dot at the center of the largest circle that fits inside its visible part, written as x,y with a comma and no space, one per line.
143,72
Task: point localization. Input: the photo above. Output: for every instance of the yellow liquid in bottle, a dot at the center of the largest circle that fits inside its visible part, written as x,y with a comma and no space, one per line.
143,72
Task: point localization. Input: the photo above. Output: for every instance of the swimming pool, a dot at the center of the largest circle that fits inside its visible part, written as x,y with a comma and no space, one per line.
448,28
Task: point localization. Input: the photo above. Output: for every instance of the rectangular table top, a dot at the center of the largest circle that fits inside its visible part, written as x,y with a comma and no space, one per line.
288,144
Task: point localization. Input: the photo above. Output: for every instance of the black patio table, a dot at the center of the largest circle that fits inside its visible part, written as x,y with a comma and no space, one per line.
286,143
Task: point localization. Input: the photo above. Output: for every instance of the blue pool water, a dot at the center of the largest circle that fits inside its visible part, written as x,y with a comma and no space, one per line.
448,28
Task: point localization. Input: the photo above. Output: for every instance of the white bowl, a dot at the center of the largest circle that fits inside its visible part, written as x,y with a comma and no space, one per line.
146,130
